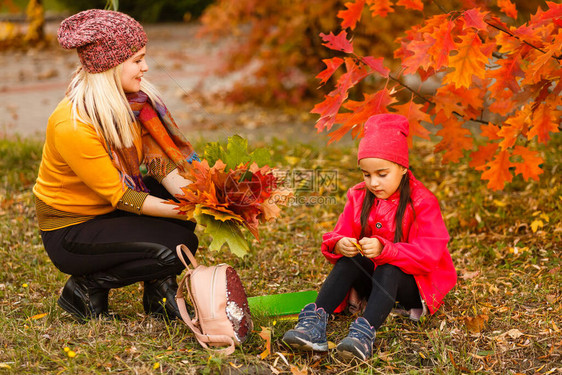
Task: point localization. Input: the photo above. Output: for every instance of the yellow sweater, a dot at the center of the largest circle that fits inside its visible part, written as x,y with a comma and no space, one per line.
77,179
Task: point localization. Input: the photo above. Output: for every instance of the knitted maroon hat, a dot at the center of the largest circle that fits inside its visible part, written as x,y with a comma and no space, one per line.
103,38
385,137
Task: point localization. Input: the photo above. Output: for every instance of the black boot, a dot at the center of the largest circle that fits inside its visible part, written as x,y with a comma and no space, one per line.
159,298
84,299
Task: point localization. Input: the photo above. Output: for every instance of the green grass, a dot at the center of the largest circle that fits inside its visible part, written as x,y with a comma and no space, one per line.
509,279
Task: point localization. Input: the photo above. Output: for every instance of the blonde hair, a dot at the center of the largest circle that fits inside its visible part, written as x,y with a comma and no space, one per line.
99,99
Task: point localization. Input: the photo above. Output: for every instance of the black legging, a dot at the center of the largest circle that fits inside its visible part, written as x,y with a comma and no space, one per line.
130,247
383,287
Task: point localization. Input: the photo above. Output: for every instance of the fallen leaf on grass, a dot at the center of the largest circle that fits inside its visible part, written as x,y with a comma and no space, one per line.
296,371
514,333
38,316
266,335
475,324
467,275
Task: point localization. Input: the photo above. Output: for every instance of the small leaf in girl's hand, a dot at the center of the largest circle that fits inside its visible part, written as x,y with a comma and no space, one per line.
358,247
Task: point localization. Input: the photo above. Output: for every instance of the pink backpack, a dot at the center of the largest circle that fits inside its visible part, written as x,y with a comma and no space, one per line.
222,315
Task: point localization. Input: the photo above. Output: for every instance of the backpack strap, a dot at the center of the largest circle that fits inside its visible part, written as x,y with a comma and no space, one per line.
193,324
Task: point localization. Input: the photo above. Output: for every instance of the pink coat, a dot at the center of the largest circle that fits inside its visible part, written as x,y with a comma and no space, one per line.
424,255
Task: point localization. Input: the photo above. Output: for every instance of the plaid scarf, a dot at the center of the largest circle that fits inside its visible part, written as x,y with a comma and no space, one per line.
165,141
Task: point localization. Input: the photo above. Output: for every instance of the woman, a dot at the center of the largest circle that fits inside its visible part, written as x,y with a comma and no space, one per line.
100,220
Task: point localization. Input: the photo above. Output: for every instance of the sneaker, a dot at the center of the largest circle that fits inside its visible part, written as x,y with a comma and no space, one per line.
310,331
359,341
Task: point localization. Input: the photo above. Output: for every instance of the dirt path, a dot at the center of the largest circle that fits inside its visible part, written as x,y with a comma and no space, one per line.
33,82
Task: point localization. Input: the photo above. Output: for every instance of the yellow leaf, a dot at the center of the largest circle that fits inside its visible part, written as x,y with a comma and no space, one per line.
38,316
331,345
266,335
536,224
156,366
499,203
234,365
545,217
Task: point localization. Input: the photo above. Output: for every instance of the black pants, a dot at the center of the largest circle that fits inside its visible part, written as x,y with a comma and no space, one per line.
383,286
130,247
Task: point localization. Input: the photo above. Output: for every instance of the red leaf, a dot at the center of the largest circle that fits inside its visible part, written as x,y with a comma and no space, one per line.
420,56
376,65
327,111
380,7
475,18
498,171
337,42
352,14
506,75
508,8
411,4
332,65
530,168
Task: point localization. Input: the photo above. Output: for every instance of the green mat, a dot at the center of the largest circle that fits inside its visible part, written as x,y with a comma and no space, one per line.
281,304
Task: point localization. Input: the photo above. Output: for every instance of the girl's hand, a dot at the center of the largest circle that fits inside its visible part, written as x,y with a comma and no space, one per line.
346,247
372,247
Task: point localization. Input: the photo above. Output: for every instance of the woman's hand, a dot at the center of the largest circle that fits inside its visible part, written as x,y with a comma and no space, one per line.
346,247
371,247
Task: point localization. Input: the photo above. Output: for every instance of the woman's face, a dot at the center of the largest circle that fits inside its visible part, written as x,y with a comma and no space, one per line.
382,177
133,70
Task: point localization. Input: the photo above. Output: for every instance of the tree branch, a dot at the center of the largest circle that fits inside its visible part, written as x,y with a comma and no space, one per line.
557,58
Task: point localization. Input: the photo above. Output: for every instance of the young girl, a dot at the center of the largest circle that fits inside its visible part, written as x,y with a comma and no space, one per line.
100,220
389,245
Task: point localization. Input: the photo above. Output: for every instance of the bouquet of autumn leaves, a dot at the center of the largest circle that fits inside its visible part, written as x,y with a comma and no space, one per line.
231,189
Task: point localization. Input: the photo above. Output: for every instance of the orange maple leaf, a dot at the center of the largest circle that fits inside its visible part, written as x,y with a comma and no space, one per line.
490,131
484,154
467,62
508,8
543,122
443,45
411,4
513,127
380,7
352,14
415,114
361,111
498,172
455,140
530,167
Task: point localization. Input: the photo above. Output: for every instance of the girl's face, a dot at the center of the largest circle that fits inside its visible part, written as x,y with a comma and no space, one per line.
382,177
132,71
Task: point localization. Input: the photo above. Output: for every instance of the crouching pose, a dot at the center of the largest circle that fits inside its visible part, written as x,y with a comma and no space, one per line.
389,246
101,221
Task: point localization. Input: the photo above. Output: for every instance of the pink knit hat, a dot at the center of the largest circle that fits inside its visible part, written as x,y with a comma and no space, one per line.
103,38
385,137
